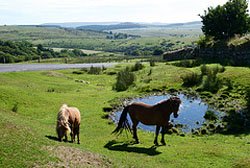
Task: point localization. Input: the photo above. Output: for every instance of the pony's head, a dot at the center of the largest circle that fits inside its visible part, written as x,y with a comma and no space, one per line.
62,129
62,126
175,104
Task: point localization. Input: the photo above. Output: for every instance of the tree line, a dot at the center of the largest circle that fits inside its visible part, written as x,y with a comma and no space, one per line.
12,51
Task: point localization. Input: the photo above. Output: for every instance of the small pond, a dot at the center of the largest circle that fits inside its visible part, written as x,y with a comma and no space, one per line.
191,112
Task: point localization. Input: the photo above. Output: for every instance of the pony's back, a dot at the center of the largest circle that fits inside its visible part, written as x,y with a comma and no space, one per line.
74,115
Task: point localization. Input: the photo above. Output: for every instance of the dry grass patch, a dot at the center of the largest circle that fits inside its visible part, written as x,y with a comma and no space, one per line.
73,157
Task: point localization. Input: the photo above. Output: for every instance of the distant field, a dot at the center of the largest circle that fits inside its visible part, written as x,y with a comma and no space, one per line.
85,51
151,38
163,32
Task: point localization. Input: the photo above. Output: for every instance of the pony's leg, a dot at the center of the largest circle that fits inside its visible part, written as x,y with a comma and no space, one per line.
71,135
74,135
134,126
156,135
163,131
77,134
66,137
72,132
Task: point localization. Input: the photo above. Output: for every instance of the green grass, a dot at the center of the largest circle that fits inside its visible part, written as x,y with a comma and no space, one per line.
90,40
27,133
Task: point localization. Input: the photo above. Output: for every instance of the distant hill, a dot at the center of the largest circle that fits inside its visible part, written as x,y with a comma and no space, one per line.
78,24
100,26
195,24
125,25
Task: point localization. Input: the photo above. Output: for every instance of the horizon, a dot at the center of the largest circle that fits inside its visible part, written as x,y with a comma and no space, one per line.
30,12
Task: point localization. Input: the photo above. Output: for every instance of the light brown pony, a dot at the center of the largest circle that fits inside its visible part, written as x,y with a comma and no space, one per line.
158,114
68,120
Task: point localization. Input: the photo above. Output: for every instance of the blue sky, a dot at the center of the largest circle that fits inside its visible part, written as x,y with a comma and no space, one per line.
54,11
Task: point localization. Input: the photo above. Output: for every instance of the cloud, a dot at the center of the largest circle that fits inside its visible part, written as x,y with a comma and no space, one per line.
40,11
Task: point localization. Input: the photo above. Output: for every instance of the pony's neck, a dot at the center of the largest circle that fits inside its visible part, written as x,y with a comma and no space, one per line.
163,105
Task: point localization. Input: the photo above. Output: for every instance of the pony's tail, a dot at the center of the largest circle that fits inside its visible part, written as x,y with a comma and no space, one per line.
123,123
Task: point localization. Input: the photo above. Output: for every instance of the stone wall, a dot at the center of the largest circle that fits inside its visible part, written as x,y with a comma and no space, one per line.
235,55
184,53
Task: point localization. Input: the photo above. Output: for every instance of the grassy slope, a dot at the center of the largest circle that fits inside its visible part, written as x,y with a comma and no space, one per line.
40,94
56,37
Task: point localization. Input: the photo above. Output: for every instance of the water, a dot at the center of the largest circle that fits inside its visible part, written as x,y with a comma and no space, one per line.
191,112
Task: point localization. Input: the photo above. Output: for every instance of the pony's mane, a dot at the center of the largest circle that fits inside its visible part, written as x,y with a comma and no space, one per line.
168,100
63,113
162,102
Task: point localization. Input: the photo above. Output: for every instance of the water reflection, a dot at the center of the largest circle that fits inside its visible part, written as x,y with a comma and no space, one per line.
191,112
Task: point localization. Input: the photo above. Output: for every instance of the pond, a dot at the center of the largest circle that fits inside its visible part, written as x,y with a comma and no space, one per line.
191,112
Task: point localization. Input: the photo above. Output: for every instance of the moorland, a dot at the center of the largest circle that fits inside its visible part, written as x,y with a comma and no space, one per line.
30,100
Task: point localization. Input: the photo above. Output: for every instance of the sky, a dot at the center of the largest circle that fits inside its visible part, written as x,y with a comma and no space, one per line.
24,12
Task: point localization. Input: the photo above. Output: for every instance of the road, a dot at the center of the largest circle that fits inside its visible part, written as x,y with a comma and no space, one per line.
38,67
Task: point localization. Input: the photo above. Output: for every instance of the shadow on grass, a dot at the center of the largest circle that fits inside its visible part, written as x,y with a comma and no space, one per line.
54,138
128,147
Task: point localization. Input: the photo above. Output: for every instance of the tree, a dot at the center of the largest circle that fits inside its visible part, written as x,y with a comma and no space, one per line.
158,51
224,22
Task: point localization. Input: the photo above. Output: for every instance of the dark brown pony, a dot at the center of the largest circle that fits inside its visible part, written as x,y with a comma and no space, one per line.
158,114
68,120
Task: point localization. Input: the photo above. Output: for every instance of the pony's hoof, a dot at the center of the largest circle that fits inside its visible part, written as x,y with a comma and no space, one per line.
156,143
163,143
137,142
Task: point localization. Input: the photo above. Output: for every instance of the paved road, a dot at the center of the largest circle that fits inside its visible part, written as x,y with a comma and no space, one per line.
38,67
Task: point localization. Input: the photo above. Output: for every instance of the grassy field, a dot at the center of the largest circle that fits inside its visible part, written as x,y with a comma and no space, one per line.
91,40
30,101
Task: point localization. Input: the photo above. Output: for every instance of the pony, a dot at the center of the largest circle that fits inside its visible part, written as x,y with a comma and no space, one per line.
158,114
68,120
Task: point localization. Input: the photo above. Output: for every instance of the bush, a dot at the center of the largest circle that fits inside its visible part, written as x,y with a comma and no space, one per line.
15,108
124,79
248,100
152,63
187,63
211,83
210,80
206,70
191,79
138,66
210,115
95,70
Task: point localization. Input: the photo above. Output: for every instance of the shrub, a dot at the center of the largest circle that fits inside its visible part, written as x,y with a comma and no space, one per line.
15,108
211,83
204,69
138,66
187,63
152,63
210,115
124,79
248,100
95,70
191,79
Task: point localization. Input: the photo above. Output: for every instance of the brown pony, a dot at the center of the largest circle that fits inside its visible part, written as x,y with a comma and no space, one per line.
158,114
68,120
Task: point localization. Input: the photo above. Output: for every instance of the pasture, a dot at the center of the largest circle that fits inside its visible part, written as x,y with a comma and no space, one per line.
54,37
30,102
